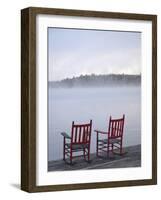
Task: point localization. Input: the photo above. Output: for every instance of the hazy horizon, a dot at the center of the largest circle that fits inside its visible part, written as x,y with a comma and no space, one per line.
93,75
75,52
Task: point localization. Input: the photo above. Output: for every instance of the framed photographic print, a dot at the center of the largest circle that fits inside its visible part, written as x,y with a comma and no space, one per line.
88,99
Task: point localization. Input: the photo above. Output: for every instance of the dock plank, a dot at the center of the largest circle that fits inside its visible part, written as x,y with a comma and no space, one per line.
131,158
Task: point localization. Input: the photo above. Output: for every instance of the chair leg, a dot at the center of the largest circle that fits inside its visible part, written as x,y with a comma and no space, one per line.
71,156
97,146
84,153
64,150
121,148
88,154
108,148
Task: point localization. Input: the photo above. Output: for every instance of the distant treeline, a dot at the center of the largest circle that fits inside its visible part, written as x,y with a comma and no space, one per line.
98,81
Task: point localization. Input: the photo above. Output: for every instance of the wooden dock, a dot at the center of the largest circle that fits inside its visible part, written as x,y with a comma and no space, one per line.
130,158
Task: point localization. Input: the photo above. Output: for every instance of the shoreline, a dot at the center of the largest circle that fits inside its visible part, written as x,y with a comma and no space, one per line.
130,158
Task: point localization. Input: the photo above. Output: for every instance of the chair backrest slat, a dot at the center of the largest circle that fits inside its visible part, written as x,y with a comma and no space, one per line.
81,133
116,127
112,130
76,128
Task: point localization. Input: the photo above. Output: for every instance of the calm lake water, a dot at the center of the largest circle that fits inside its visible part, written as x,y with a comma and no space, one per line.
82,104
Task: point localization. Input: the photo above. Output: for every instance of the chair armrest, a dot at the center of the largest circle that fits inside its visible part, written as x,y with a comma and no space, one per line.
65,135
102,132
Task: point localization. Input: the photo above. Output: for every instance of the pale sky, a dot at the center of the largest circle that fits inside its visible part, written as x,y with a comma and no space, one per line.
75,52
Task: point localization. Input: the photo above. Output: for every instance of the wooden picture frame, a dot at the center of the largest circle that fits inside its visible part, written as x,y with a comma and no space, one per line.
28,98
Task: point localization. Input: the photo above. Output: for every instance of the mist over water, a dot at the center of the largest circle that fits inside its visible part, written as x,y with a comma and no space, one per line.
82,104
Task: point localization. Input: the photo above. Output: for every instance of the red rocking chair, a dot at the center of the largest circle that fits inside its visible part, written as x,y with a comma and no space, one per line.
78,141
113,138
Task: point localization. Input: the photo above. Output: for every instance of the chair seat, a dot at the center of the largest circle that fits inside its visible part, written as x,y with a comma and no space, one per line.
112,141
77,146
